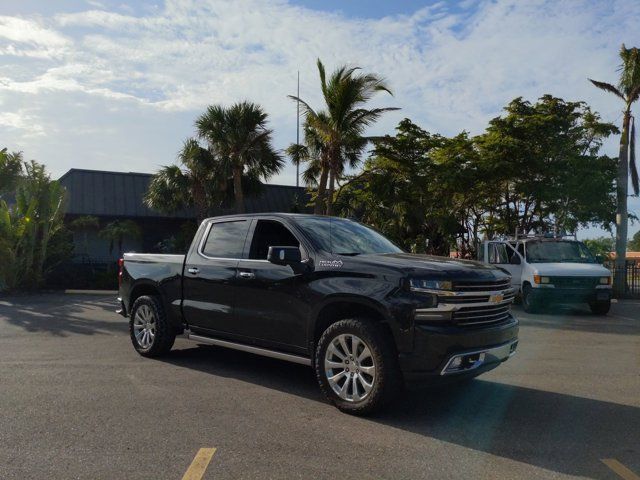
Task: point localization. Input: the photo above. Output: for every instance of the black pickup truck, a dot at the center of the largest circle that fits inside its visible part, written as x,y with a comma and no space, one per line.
326,292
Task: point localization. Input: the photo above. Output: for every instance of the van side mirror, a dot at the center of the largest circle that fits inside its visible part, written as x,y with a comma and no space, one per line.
515,259
284,255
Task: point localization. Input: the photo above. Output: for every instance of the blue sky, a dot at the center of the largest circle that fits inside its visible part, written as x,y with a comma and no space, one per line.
110,84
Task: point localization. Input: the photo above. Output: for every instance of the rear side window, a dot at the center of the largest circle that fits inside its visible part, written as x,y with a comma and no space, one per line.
226,239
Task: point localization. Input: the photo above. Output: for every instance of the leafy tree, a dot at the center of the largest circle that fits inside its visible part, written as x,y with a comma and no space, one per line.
117,231
11,170
544,162
200,182
628,90
239,139
334,135
28,226
634,243
602,246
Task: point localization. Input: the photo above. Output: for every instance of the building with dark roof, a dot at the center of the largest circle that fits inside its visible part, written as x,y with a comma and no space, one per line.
111,196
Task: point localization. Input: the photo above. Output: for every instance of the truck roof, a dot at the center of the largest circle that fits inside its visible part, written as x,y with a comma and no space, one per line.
274,214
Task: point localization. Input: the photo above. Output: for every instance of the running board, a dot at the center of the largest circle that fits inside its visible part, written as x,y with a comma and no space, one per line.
247,348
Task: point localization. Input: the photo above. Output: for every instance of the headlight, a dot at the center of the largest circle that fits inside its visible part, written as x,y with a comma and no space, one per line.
539,279
417,284
605,280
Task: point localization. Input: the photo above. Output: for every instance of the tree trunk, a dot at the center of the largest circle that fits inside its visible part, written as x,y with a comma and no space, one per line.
332,181
322,187
622,184
237,189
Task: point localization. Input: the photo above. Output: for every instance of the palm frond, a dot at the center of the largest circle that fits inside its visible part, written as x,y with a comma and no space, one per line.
608,87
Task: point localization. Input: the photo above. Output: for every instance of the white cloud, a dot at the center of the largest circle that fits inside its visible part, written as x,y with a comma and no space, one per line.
450,69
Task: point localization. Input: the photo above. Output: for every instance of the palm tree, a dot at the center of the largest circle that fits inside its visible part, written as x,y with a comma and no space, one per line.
117,231
340,127
200,183
628,90
11,168
82,225
238,136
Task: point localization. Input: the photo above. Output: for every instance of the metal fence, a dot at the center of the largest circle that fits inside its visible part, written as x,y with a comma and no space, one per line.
632,281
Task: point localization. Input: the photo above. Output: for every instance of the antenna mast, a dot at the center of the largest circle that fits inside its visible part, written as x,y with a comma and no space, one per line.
298,131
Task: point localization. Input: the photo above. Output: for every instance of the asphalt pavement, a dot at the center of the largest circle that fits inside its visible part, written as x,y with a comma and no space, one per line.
76,401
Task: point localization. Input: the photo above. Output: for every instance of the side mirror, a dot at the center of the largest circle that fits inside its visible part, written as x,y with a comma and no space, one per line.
600,258
515,259
284,255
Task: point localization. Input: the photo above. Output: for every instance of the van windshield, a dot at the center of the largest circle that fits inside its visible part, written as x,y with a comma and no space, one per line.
558,251
345,237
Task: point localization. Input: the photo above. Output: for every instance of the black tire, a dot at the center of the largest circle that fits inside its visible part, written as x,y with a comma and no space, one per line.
528,303
387,382
600,308
164,335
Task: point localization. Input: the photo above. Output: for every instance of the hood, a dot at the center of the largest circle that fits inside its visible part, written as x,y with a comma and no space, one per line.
558,269
432,266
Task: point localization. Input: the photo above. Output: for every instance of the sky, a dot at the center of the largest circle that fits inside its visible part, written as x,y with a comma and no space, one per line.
116,85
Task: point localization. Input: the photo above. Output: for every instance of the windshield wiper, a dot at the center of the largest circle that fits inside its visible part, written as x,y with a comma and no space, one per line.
350,254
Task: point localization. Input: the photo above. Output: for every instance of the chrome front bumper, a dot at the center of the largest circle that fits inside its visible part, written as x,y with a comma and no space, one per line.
471,360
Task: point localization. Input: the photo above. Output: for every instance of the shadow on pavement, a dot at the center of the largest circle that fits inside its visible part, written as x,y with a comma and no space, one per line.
61,315
558,432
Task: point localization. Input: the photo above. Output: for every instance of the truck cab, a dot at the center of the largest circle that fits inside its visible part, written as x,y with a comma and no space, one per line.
551,269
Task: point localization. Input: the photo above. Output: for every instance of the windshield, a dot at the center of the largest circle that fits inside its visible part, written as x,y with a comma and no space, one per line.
558,251
345,237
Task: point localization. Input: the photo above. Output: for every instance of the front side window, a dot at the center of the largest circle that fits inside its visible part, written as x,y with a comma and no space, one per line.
269,233
562,251
345,237
226,239
498,253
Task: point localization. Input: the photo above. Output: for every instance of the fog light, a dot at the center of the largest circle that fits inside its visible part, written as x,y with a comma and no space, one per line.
455,363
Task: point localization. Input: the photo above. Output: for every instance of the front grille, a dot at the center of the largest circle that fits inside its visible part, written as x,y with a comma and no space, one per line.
473,298
483,286
481,315
575,282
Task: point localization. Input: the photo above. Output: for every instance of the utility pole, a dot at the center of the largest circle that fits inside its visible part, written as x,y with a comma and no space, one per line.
298,131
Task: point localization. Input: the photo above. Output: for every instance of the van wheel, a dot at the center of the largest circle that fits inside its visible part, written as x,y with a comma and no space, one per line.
356,366
149,328
600,308
528,303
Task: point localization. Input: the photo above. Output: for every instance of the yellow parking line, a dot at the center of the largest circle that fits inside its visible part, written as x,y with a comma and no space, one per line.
199,465
620,469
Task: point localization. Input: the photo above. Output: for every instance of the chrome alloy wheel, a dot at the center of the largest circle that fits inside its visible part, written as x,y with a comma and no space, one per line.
349,367
144,326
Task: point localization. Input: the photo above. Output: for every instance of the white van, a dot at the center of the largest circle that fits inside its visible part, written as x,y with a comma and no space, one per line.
545,270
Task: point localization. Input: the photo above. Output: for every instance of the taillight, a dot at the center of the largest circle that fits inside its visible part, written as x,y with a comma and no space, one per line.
120,266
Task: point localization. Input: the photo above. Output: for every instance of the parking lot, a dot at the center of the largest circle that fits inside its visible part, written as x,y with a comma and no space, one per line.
76,401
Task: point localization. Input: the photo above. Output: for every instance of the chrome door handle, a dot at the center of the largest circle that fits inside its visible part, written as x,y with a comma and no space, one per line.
247,275
193,271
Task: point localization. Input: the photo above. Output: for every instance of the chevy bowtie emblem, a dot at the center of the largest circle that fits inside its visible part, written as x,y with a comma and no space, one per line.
497,298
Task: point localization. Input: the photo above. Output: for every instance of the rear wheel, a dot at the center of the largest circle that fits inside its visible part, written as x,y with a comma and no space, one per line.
529,304
600,308
149,328
357,367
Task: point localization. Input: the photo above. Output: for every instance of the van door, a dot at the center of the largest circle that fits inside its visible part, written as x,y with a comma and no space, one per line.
503,255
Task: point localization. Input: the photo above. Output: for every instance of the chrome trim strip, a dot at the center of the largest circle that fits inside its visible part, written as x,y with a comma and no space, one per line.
247,348
502,352
451,293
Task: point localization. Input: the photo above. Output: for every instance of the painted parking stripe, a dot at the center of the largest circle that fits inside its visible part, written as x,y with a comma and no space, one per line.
620,469
199,465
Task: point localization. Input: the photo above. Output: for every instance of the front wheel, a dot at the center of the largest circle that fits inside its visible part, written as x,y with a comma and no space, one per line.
600,308
356,366
150,331
529,304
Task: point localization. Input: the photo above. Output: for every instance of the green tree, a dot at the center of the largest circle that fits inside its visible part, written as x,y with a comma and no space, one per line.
11,170
628,90
82,225
239,139
544,162
28,226
200,182
119,230
339,127
602,246
634,243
